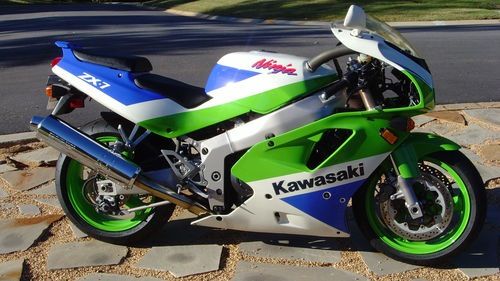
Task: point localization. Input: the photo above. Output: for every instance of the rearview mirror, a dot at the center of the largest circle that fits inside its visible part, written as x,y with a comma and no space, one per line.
355,17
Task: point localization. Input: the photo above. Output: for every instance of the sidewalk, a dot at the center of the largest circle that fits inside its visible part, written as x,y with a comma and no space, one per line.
38,242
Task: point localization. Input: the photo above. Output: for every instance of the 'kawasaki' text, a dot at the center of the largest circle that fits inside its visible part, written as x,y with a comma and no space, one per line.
282,187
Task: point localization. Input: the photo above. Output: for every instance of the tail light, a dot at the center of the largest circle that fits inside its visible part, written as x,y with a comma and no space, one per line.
55,61
76,102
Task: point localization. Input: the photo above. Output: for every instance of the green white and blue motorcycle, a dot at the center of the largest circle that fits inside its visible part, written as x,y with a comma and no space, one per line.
273,143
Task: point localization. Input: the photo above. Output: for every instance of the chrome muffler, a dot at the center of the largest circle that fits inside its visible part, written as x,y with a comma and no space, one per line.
90,153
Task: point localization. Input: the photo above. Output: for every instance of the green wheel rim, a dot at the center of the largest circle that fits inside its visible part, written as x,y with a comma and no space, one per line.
86,211
461,208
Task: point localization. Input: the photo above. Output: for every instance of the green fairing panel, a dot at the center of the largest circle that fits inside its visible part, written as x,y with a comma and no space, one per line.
290,152
276,98
182,123
175,125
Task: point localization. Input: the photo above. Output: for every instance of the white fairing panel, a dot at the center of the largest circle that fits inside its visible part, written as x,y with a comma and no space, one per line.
270,209
242,74
375,46
244,136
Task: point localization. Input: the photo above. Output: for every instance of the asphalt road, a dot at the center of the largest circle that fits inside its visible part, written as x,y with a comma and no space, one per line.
465,61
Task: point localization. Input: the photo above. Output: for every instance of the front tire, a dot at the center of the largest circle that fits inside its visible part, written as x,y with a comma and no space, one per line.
423,244
70,181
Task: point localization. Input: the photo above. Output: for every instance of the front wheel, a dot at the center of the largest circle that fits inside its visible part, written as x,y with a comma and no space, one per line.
452,198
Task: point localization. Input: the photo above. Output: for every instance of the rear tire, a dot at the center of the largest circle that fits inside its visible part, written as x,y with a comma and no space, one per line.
69,187
466,188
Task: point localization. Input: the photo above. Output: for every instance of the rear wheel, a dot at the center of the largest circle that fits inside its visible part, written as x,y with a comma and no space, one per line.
76,189
453,202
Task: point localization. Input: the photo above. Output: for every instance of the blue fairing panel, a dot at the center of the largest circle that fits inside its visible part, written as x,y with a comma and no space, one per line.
330,211
116,83
222,75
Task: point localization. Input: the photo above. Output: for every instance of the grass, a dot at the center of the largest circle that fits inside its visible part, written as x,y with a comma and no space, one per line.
327,10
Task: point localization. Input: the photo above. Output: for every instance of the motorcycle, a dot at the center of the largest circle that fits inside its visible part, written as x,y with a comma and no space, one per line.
273,143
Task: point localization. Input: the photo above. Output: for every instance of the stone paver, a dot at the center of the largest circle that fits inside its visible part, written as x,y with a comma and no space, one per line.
27,209
313,250
382,265
487,172
491,152
6,140
24,179
183,260
80,254
490,115
11,270
76,231
482,257
20,234
6,168
438,128
247,271
115,277
54,202
191,234
422,119
480,135
376,262
48,189
46,155
450,116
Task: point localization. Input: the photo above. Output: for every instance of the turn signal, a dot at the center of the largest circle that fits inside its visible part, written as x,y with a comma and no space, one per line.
389,136
402,123
49,92
410,124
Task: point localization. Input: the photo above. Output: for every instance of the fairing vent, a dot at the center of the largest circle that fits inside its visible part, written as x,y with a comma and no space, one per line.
329,142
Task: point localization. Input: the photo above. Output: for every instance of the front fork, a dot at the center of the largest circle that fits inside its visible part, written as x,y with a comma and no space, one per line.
405,163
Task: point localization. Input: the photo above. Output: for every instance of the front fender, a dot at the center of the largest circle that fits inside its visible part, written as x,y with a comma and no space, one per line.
426,143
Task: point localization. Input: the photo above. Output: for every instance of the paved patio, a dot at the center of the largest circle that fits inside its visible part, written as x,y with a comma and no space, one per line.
38,242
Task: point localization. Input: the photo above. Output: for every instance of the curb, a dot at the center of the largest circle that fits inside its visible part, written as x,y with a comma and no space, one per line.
465,106
27,137
322,23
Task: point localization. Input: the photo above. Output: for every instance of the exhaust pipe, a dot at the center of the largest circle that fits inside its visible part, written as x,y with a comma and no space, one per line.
96,156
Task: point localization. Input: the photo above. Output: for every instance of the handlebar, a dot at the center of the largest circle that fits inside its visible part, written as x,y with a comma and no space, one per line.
324,57
346,81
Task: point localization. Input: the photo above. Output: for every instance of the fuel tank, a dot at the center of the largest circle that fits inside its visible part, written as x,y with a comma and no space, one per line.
262,81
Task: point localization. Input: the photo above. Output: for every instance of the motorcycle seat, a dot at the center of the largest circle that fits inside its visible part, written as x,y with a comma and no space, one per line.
188,96
128,63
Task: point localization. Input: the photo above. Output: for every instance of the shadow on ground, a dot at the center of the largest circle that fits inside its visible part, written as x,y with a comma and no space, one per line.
132,33
179,232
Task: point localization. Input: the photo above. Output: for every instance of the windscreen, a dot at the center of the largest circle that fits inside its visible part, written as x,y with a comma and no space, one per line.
389,34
